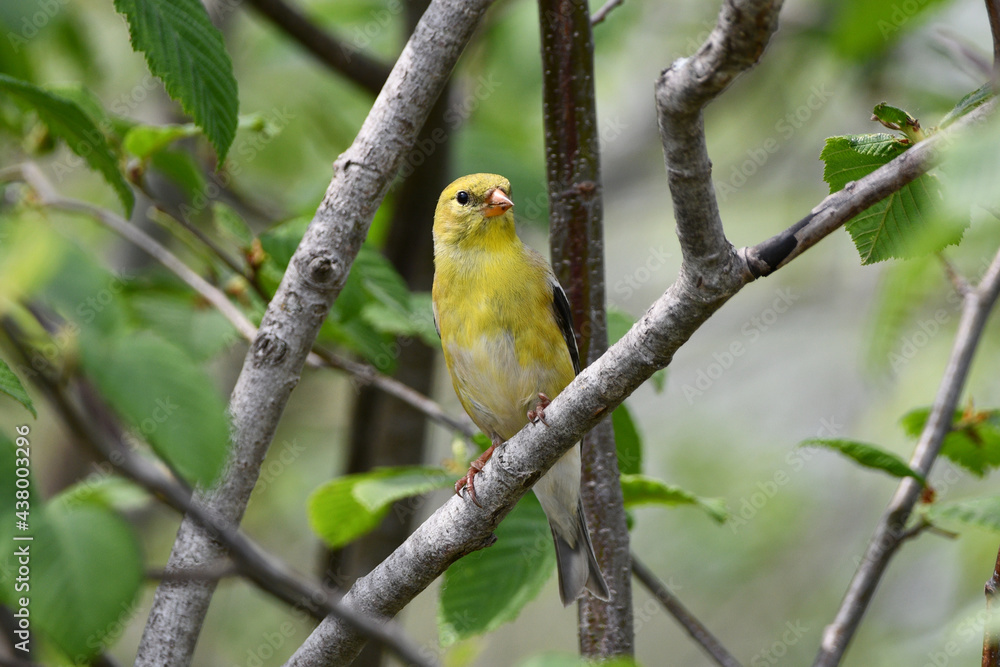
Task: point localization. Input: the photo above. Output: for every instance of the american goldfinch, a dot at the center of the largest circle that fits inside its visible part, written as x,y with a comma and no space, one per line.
507,334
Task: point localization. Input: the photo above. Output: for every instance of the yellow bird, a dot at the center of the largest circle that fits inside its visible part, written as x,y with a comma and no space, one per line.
507,334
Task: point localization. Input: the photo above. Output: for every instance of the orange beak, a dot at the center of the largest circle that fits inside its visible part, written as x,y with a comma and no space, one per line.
497,203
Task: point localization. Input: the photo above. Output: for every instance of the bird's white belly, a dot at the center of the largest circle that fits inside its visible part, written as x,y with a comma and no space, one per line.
497,390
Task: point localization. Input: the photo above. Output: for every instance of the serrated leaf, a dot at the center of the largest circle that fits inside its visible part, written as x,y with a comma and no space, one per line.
144,140
86,571
869,456
173,405
973,442
488,588
342,510
642,490
188,54
184,320
903,224
628,443
968,103
67,120
980,512
11,385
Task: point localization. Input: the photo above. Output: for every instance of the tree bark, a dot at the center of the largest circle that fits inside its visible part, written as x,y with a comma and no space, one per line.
576,239
314,278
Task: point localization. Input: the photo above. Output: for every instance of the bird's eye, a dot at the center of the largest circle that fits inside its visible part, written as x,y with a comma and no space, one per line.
462,197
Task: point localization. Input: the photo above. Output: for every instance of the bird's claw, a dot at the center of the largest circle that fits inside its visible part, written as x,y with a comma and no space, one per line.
467,482
538,414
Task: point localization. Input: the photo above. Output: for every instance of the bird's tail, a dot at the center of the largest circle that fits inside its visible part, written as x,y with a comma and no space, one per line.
577,565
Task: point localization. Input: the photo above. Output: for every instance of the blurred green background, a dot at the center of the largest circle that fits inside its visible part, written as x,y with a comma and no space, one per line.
815,337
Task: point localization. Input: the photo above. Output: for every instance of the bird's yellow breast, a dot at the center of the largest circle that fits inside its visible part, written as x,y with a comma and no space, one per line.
499,334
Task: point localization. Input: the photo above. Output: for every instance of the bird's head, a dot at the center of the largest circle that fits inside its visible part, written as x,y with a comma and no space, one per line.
475,209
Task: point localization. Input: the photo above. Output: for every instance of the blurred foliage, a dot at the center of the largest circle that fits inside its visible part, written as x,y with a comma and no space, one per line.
79,102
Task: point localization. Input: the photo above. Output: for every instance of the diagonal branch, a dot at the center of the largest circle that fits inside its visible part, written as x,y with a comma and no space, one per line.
362,374
82,410
712,646
683,91
314,278
891,529
339,56
459,527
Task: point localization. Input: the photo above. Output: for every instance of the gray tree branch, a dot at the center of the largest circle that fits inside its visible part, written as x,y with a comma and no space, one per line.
345,59
459,527
92,421
684,89
362,374
977,304
699,633
314,278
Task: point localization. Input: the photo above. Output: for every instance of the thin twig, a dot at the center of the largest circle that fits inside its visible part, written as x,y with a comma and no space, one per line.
362,373
340,56
602,13
268,572
702,636
956,279
891,529
991,628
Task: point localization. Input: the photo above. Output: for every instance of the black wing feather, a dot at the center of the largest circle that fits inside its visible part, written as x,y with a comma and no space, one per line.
564,318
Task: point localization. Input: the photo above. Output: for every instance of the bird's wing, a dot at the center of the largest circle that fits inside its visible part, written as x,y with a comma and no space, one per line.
564,318
434,312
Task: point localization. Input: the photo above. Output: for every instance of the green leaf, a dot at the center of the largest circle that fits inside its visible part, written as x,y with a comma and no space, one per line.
895,118
232,225
973,442
384,486
619,322
187,52
979,512
861,29
342,510
86,571
11,385
181,168
173,403
67,120
642,490
906,223
488,588
183,319
144,140
968,103
627,441
103,489
869,456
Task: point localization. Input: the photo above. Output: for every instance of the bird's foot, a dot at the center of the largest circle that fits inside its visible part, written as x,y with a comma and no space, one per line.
476,466
538,414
